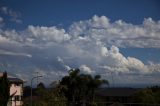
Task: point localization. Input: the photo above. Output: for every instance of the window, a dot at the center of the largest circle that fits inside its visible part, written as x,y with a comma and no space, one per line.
17,98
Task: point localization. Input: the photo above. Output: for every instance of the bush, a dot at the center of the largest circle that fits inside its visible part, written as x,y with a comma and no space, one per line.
93,104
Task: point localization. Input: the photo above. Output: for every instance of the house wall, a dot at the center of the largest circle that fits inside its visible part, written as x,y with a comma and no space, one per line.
16,100
16,88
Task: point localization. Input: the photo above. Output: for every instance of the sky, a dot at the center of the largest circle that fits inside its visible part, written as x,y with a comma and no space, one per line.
118,39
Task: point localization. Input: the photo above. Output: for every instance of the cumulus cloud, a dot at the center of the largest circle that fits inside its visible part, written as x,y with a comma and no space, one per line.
114,61
48,34
119,33
92,45
85,69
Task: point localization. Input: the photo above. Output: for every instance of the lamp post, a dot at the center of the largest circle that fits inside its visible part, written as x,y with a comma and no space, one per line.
31,86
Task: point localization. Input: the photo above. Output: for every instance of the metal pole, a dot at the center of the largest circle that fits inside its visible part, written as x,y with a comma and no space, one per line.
31,86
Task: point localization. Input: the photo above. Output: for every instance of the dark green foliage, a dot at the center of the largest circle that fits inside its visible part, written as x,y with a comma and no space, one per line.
81,87
148,95
41,86
73,90
47,96
4,89
156,92
145,96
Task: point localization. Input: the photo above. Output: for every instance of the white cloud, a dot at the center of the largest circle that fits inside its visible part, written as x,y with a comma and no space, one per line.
86,69
87,44
119,33
47,34
104,51
10,53
153,67
99,22
114,61
60,60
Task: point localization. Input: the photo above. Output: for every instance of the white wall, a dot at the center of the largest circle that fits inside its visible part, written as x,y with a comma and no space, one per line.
19,92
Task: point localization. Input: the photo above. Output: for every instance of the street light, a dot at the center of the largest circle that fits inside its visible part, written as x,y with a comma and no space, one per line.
31,86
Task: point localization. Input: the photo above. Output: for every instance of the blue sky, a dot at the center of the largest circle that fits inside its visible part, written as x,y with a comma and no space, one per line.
63,13
97,36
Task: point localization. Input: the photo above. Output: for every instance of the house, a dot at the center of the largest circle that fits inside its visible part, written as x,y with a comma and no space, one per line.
16,90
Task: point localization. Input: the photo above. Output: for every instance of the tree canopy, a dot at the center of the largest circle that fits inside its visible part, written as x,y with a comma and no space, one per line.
81,87
74,89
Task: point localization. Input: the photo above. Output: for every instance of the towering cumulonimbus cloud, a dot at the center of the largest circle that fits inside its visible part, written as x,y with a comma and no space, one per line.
91,45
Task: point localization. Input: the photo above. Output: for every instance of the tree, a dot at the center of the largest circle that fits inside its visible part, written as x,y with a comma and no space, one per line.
40,90
4,90
41,86
95,83
71,84
48,96
80,87
149,95
145,96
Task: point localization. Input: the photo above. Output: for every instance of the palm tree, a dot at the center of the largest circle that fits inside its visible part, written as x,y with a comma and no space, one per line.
71,83
81,87
95,82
